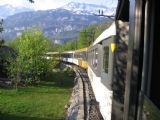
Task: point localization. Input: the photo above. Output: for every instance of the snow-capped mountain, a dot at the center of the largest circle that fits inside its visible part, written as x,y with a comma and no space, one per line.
88,9
57,24
8,10
61,24
76,8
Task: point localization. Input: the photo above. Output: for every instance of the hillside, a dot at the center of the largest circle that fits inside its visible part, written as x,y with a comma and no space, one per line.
59,25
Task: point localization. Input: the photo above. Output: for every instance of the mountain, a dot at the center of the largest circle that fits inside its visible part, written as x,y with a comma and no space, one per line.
88,9
8,10
59,25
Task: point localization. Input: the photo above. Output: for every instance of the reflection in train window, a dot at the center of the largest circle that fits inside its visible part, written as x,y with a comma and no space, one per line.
96,58
105,59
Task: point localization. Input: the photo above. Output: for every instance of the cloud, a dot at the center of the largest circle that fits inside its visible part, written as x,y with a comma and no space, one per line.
48,4
15,3
38,5
51,4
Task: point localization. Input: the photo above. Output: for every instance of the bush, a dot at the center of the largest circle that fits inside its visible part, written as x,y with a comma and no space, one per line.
30,64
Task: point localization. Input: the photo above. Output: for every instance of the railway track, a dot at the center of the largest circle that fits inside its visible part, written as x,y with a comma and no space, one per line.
83,105
91,106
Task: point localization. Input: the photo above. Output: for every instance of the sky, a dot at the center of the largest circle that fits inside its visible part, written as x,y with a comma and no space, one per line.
52,4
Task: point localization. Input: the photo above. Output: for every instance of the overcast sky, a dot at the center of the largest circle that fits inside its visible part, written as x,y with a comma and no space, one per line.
51,4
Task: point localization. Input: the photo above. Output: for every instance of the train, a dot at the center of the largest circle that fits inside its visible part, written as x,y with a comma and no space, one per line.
123,62
99,61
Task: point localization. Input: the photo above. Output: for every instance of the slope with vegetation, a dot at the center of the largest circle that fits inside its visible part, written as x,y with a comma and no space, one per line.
85,37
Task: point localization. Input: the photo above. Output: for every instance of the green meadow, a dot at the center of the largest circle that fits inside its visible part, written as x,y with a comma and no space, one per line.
45,101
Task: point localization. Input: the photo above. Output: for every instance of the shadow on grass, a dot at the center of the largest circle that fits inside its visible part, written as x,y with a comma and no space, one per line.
14,117
5,86
59,79
56,83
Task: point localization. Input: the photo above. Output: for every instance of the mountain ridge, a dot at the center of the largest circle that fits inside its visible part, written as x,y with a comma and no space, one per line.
88,9
57,24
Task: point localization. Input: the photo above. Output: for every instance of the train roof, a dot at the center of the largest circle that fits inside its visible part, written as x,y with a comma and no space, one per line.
81,50
111,31
52,53
67,52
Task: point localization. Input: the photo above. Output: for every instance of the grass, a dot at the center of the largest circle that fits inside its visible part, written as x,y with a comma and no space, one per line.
43,102
150,110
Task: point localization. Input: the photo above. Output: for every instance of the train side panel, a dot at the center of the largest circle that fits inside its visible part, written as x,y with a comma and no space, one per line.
99,72
107,69
83,63
102,94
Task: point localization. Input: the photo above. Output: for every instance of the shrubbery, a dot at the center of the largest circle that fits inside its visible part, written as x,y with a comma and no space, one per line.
30,64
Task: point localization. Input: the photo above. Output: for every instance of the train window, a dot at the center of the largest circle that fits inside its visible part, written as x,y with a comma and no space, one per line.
71,55
92,57
150,110
80,55
76,55
106,58
95,58
93,53
84,55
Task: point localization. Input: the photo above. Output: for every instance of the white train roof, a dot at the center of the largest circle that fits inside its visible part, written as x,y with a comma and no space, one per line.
67,52
111,31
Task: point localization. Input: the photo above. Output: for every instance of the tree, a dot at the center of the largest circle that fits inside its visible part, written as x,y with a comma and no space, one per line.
1,30
30,64
1,25
86,37
70,45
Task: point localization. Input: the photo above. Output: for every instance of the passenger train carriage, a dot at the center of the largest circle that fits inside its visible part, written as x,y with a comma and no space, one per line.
53,56
105,60
123,63
67,56
99,60
80,57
